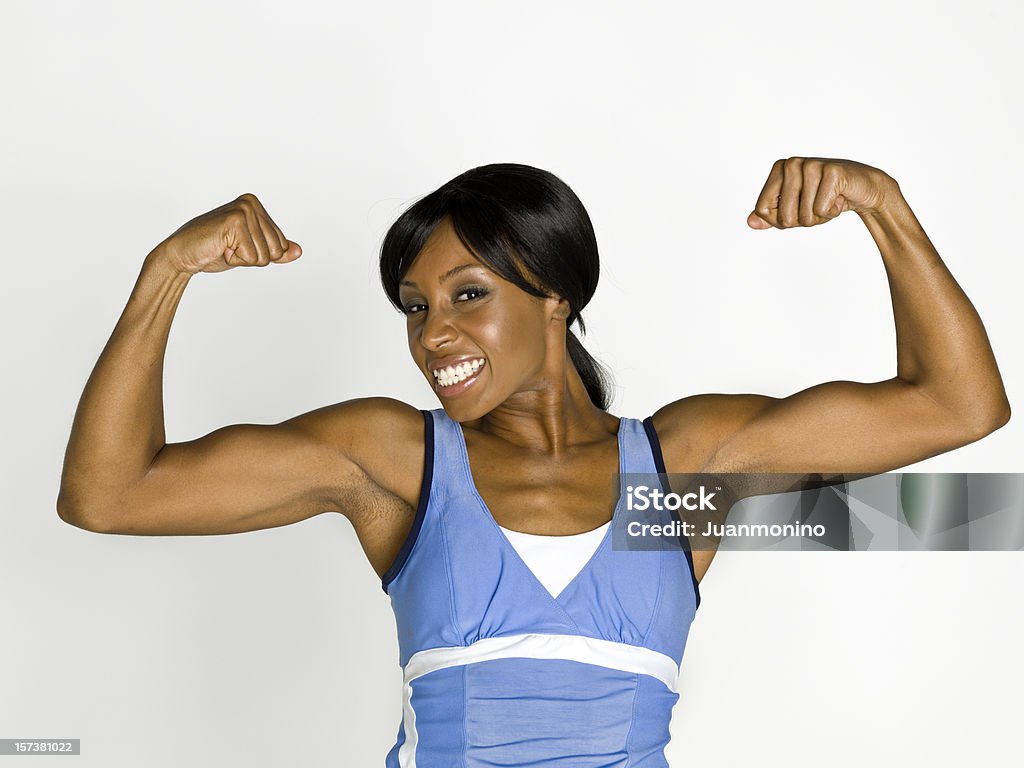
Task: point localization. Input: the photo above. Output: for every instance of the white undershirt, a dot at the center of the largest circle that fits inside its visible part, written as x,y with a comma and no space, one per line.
555,560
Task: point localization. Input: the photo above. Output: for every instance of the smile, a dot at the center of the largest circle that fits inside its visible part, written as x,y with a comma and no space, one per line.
452,375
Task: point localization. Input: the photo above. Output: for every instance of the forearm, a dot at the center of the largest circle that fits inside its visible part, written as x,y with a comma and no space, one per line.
119,425
941,343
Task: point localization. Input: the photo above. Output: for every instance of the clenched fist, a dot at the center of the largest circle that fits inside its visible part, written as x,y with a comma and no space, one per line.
237,234
805,191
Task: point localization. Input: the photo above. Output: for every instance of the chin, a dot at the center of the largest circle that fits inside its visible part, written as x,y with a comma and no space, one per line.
463,411
465,407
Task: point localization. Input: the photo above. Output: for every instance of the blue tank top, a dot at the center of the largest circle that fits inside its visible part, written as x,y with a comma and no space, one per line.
496,671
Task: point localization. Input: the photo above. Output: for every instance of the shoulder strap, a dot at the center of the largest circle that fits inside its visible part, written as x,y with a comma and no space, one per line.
659,467
449,462
421,507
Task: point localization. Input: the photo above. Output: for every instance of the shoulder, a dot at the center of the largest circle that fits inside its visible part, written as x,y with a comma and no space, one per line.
693,430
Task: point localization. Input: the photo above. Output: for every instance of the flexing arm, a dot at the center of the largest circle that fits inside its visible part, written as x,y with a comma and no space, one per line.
119,474
947,391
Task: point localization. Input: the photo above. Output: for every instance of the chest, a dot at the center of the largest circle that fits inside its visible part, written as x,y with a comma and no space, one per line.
551,496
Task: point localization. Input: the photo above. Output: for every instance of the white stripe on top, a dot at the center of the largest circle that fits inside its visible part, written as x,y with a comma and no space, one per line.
587,650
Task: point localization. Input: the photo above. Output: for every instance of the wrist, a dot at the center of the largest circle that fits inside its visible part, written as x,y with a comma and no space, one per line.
161,265
891,207
894,226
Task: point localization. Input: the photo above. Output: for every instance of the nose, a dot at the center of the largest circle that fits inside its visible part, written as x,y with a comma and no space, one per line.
437,330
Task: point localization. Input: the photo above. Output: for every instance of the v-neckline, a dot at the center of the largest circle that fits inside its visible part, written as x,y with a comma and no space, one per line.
603,544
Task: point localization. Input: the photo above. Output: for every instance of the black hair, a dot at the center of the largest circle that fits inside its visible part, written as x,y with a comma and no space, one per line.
527,226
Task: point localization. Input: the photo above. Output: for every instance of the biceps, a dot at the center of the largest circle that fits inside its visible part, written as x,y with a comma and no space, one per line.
845,427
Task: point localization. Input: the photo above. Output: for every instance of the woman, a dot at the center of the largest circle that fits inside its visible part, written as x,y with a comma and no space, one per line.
524,638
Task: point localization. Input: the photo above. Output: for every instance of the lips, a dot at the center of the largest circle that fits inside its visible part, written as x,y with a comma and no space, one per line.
454,374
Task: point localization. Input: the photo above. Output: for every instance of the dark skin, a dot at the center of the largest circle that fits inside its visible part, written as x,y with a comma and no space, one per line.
527,412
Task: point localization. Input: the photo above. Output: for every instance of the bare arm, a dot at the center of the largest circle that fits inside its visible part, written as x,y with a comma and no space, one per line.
119,476
947,391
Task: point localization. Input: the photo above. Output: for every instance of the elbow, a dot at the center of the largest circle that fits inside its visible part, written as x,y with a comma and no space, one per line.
971,411
987,420
1001,417
71,517
66,510
74,514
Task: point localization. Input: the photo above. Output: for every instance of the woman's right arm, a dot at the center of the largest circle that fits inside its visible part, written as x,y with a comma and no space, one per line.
119,476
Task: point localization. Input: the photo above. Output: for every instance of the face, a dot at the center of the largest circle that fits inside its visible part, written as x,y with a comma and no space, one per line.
490,340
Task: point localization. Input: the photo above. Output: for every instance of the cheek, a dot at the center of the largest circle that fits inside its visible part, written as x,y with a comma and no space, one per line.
515,335
412,333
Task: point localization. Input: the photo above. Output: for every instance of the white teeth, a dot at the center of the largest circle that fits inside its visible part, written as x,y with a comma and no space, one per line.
446,377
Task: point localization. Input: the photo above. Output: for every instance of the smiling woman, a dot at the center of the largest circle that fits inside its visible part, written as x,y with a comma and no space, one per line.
504,664
524,674
495,229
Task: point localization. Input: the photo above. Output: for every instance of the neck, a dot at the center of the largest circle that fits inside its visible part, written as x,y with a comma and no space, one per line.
551,418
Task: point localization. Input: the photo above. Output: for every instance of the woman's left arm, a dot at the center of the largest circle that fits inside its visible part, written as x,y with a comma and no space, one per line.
947,391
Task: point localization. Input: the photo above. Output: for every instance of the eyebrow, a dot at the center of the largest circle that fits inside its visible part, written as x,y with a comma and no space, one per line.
446,276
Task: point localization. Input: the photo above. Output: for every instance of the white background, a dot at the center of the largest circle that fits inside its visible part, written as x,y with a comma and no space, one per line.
121,121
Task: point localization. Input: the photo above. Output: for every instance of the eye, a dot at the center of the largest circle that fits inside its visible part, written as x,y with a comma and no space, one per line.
412,309
473,292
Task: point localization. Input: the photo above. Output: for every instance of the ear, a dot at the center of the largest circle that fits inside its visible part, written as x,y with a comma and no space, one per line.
562,310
